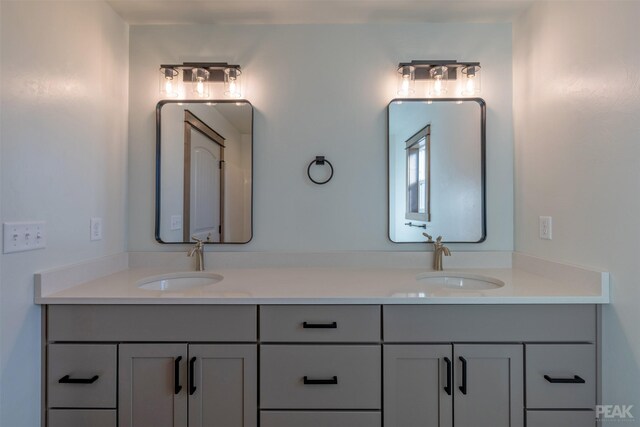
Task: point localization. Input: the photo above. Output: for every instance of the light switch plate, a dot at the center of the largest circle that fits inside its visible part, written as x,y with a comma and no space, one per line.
96,229
24,236
545,225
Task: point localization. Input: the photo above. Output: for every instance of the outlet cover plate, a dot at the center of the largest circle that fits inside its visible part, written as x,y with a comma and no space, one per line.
96,229
546,230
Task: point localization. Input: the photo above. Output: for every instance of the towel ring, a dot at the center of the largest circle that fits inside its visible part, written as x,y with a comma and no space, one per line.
320,161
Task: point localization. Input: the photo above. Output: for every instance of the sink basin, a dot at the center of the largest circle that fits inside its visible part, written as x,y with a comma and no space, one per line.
459,281
179,281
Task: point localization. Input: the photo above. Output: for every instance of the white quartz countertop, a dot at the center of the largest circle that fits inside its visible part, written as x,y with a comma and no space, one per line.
341,285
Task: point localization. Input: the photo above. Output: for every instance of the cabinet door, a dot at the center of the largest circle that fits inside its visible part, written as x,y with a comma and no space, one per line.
223,385
489,385
152,385
418,385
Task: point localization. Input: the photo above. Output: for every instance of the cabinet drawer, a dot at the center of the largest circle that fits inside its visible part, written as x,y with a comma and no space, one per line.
152,323
319,419
561,376
561,419
337,377
320,323
478,323
82,418
87,372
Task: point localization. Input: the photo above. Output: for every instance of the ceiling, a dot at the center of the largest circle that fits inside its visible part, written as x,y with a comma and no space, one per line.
143,12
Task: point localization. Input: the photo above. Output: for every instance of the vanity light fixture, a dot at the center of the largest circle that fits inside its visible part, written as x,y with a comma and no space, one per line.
438,76
197,77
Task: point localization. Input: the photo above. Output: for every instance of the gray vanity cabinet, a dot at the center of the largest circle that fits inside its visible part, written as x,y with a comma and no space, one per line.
215,384
152,390
223,385
477,385
488,385
418,385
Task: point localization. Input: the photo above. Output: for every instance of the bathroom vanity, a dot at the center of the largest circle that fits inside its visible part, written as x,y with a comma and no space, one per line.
277,354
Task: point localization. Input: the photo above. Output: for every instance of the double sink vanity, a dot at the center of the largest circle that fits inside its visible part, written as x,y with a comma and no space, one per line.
138,344
347,339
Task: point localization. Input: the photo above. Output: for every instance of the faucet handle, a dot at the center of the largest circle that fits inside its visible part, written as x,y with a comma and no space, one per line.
428,237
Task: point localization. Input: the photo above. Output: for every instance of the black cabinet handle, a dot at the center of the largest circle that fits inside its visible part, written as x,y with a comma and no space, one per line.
176,373
575,380
332,325
67,380
332,380
463,387
447,388
192,376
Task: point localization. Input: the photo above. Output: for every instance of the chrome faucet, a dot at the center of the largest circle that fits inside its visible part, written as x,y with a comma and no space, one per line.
198,251
438,250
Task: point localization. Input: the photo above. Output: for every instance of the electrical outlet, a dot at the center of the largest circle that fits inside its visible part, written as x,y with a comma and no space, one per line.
96,229
176,222
24,236
545,225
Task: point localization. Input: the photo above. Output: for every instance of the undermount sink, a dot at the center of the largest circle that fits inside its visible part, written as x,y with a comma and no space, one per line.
179,281
459,281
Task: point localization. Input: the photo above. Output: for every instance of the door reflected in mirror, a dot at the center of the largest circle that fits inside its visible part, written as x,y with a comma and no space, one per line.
436,169
204,171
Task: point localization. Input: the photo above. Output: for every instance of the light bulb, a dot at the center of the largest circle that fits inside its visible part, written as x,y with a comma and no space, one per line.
437,86
439,75
232,87
200,88
405,85
471,85
232,82
167,86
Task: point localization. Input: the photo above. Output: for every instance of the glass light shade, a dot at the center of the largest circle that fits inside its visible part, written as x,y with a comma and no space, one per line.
200,82
471,81
438,77
168,82
406,80
232,82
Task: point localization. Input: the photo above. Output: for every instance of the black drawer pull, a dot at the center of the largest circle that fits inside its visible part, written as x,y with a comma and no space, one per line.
575,380
176,373
463,387
192,376
332,380
447,388
332,325
67,380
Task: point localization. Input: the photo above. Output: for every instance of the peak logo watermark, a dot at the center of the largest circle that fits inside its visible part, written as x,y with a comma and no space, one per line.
614,413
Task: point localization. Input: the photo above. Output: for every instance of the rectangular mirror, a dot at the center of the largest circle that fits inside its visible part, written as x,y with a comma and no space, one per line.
204,171
437,170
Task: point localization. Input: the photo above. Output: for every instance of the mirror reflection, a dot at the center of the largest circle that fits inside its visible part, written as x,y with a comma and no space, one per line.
204,171
436,170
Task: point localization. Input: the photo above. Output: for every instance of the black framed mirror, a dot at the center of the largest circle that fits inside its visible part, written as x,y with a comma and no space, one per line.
204,171
436,169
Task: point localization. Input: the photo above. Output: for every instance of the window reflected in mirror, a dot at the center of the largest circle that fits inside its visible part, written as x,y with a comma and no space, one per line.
436,169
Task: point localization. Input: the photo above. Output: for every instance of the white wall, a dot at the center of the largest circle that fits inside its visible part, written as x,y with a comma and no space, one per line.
320,89
64,137
577,104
